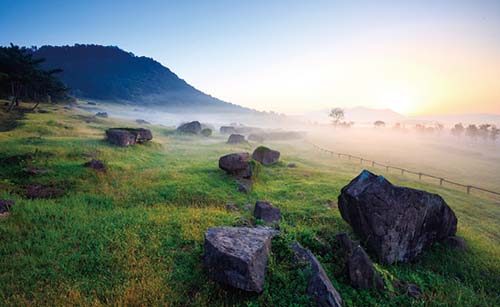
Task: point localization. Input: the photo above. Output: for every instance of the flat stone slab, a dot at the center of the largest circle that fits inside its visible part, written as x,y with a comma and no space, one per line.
237,256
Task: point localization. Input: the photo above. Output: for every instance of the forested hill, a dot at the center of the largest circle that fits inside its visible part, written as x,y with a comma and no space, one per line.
110,73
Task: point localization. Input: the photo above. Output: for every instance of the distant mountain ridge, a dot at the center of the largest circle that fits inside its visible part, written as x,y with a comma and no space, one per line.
110,73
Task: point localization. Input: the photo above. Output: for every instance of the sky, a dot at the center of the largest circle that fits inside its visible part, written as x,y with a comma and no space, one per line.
415,57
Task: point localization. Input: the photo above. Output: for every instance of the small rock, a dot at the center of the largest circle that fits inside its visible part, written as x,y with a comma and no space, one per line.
128,136
362,274
5,206
292,165
265,155
237,256
191,127
232,208
319,285
236,164
236,139
227,129
142,122
91,103
413,291
42,111
98,165
32,171
244,185
247,207
206,132
456,243
102,114
266,212
35,191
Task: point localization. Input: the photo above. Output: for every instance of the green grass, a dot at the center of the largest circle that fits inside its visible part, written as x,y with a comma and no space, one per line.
134,236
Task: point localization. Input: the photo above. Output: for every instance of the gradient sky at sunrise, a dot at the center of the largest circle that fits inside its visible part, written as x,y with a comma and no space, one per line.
416,57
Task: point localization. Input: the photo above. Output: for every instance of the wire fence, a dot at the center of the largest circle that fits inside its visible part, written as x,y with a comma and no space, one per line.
363,161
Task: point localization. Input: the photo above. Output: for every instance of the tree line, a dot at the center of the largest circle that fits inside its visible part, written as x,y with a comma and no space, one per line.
482,131
22,78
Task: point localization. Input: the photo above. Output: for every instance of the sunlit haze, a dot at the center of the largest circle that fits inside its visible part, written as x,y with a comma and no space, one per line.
414,57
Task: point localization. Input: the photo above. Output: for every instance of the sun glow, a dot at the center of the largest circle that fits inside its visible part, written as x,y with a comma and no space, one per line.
401,101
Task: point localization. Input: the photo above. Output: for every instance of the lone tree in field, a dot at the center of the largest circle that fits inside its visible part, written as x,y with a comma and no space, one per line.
337,115
379,124
22,78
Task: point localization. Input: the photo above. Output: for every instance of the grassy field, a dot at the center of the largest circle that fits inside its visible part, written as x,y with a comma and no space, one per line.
134,235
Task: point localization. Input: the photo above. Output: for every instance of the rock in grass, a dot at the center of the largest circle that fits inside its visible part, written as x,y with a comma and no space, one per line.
227,129
128,136
95,164
191,127
413,291
345,244
456,243
236,139
33,171
397,223
206,132
35,191
237,256
362,274
102,114
5,205
265,155
142,122
266,212
319,285
244,185
236,164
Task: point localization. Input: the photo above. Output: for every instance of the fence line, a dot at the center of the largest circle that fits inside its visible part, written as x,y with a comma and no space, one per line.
373,163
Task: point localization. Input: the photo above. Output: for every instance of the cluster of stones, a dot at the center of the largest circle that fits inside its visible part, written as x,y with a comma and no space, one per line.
243,169
397,224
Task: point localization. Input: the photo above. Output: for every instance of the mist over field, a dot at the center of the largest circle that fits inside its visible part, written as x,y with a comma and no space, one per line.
250,153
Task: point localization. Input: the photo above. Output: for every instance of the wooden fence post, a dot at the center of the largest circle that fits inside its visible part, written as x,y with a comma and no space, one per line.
360,160
373,163
419,176
402,171
441,181
468,189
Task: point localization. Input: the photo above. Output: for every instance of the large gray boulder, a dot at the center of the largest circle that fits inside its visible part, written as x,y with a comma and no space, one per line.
237,256
236,139
361,272
191,127
319,285
128,136
265,211
236,164
397,223
265,155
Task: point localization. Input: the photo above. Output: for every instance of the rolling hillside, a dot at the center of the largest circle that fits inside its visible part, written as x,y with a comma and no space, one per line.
110,73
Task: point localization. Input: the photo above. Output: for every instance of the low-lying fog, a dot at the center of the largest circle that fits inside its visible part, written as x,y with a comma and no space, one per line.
464,157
